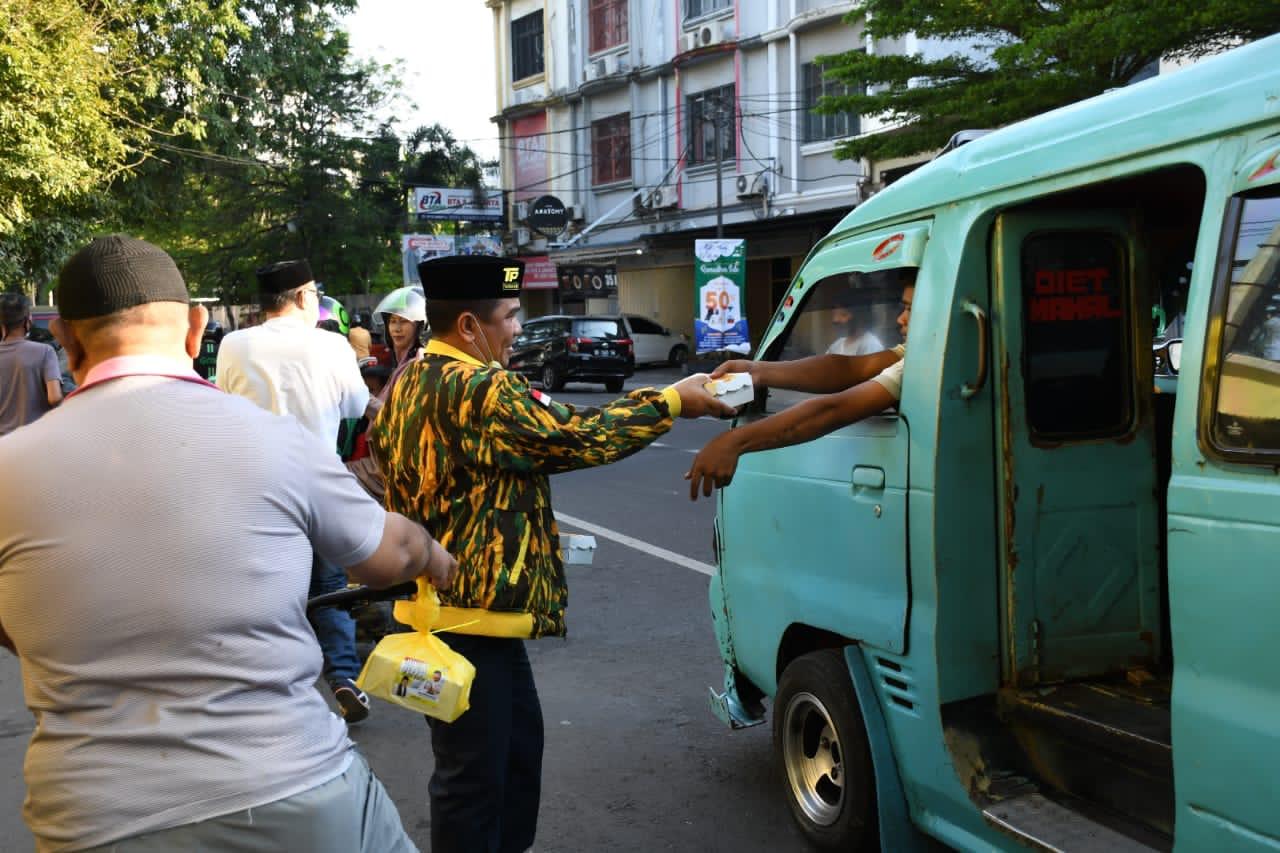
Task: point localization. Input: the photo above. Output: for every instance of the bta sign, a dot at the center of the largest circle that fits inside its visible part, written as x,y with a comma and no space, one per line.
452,203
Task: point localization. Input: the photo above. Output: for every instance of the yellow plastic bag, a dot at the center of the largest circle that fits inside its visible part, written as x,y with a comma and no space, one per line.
417,670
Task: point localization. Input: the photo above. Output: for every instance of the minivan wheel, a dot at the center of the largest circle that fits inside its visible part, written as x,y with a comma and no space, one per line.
551,378
613,386
679,355
820,745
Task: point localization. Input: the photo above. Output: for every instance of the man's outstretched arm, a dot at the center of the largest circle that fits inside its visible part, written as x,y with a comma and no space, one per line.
818,374
716,463
523,431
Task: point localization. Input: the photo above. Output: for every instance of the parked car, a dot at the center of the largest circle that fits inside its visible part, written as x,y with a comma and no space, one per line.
558,349
655,344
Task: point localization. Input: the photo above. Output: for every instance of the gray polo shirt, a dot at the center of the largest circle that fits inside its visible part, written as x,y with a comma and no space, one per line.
24,368
154,580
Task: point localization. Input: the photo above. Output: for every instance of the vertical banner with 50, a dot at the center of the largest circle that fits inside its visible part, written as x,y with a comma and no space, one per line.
719,275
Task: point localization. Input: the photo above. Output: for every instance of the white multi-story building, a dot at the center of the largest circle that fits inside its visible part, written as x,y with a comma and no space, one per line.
621,109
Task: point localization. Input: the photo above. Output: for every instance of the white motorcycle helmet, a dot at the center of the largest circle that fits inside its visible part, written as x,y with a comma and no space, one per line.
406,302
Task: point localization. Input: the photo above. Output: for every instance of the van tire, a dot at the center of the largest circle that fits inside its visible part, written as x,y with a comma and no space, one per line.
614,386
823,758
678,356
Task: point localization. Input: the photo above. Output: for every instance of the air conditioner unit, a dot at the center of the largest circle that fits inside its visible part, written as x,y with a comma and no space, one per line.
710,34
575,212
691,41
611,64
751,186
594,70
521,236
522,211
664,196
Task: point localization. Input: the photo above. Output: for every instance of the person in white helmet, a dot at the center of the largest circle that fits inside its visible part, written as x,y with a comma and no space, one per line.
404,316
404,320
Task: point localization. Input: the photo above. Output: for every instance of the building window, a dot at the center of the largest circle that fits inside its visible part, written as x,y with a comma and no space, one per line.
526,46
608,24
818,126
705,110
611,149
698,8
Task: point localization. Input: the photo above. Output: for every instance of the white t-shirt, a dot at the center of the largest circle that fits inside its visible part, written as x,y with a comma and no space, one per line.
153,578
863,344
891,377
290,368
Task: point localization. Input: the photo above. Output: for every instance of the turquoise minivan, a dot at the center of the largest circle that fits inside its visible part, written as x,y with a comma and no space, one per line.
1039,604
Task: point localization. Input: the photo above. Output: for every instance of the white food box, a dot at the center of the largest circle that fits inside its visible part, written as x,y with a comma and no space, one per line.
576,548
732,389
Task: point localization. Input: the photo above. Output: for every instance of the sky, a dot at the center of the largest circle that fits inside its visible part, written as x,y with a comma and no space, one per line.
446,47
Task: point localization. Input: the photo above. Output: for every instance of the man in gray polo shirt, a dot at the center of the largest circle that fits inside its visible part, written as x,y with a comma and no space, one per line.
159,613
30,381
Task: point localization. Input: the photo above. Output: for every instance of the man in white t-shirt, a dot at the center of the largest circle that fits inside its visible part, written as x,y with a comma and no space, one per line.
159,613
853,387
290,367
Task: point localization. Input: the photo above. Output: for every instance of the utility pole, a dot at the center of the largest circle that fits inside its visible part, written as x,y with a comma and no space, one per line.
719,159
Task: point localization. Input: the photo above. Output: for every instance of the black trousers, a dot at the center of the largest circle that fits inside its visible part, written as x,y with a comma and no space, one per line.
487,782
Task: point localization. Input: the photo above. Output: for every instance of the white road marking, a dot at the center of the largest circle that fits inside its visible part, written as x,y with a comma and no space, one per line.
639,545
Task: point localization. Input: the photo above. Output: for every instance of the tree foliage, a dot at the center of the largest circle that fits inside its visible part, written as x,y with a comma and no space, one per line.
85,91
1011,59
232,133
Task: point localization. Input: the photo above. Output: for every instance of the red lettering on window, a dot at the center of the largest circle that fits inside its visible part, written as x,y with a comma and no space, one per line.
1052,309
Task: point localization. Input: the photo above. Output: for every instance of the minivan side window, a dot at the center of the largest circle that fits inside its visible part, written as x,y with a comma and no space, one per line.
849,314
1246,405
1076,355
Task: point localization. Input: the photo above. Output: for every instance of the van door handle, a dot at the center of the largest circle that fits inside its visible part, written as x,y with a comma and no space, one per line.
973,309
868,477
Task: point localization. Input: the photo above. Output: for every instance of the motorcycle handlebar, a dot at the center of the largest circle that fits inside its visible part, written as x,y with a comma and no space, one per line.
355,596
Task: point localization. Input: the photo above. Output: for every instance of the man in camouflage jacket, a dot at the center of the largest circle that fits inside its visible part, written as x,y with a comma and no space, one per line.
466,447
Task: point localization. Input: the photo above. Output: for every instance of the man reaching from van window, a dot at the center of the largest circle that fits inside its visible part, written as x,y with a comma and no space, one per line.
853,387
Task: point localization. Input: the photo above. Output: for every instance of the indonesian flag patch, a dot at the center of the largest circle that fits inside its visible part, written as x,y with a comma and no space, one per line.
544,399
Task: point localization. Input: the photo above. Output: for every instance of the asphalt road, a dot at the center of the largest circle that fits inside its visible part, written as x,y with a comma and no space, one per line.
635,761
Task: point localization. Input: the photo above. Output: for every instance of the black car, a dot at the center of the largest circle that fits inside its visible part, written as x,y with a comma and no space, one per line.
559,349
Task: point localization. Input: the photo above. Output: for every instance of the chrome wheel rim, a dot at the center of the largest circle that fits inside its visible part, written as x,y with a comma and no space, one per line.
548,377
813,759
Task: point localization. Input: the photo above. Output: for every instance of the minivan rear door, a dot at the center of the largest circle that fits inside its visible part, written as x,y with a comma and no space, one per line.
1080,562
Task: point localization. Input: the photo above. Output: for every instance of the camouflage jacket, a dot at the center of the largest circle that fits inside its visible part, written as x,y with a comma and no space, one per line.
466,449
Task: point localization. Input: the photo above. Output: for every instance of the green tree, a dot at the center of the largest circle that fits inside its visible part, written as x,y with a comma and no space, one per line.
289,160
1029,57
85,91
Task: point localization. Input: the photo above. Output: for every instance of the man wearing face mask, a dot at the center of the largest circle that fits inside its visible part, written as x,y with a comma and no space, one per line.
466,448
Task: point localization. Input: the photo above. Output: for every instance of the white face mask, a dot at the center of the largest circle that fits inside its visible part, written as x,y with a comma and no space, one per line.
487,357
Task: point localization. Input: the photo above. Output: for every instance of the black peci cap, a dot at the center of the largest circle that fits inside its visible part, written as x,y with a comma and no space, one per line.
455,277
115,273
284,275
